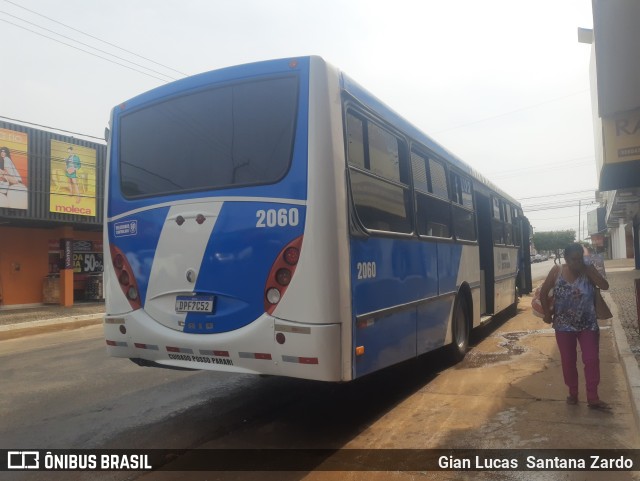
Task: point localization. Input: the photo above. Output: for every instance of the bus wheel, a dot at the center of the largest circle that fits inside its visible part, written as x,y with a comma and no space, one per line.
459,330
513,308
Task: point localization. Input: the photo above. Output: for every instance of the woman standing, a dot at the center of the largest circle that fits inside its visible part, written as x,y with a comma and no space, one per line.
574,320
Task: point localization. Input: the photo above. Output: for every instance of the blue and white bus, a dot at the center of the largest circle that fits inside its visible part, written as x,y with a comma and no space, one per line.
276,218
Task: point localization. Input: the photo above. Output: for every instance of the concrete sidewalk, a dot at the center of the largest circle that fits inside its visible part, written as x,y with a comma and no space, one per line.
16,323
621,298
625,348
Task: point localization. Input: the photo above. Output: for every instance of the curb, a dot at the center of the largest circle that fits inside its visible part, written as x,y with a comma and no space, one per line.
13,331
627,358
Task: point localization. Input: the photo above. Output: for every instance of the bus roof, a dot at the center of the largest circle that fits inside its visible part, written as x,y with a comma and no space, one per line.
206,79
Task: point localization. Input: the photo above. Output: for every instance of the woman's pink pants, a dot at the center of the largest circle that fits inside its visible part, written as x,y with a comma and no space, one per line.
589,345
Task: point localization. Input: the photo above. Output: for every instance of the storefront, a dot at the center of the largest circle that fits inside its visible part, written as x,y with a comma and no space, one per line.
50,218
86,258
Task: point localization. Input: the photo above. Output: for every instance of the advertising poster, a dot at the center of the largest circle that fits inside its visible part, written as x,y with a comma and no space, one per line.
14,190
87,257
73,179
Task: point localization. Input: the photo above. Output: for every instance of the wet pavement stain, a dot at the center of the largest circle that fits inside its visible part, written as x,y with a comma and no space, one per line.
510,344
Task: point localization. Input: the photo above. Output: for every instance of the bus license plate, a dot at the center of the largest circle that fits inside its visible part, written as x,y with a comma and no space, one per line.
195,304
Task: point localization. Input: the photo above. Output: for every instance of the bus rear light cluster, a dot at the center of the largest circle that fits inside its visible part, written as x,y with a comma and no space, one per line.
281,274
125,276
291,255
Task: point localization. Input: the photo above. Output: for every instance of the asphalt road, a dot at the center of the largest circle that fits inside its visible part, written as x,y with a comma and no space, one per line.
539,270
61,391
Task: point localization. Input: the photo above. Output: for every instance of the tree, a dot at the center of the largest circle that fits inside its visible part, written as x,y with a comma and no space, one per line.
554,241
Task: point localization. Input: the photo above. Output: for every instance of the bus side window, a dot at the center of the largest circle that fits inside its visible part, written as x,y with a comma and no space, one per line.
517,228
419,169
355,142
464,219
497,225
438,176
384,153
433,213
381,195
508,225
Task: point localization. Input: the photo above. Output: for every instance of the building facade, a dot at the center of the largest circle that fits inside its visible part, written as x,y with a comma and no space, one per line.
51,213
615,96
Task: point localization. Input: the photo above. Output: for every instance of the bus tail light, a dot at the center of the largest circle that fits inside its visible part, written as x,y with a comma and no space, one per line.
281,274
126,279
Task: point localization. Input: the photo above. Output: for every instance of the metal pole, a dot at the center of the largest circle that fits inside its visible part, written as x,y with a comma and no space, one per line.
579,210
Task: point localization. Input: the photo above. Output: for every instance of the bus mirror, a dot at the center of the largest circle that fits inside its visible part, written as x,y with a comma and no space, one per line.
106,133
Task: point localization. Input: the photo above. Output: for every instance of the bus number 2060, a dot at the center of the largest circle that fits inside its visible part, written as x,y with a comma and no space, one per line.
366,270
277,218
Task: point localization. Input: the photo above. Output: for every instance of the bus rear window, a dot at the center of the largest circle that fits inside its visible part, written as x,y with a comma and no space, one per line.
230,136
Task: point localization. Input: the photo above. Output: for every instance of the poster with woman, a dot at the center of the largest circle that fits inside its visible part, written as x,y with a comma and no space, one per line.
14,163
73,179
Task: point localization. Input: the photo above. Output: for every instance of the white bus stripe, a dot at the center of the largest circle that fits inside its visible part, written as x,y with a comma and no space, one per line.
199,200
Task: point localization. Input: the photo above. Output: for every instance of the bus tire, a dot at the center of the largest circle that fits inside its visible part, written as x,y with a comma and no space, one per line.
513,308
459,329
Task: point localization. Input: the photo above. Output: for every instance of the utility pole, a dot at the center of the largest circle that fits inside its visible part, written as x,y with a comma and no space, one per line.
579,211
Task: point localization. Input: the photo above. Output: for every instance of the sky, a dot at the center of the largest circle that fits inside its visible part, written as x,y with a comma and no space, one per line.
503,84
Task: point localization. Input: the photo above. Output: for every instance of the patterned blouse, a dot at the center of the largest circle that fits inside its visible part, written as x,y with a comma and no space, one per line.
574,308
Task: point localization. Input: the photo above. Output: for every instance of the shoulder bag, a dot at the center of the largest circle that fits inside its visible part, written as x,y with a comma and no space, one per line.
602,310
536,304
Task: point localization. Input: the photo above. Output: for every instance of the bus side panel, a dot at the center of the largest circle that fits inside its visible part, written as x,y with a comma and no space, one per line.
433,323
457,264
387,274
316,293
506,267
469,273
449,256
387,340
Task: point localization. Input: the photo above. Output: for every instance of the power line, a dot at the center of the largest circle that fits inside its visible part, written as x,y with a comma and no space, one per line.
554,195
532,219
575,203
508,113
82,50
551,165
559,203
51,128
85,44
553,201
96,38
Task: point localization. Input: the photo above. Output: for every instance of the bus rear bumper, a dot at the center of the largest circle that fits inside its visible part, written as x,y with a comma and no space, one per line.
268,345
